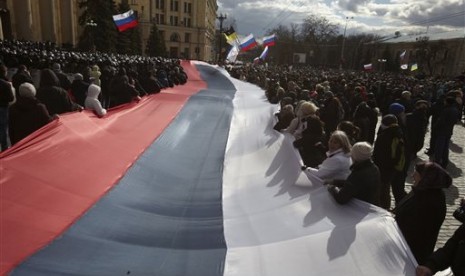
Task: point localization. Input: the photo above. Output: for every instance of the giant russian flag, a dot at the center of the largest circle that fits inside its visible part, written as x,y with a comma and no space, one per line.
190,181
125,20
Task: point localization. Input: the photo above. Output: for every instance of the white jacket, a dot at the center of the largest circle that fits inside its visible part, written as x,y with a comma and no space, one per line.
92,101
335,166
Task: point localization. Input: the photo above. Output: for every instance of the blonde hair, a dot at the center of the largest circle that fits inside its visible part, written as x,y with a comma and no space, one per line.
342,139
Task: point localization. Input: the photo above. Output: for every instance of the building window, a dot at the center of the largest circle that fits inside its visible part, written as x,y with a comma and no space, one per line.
162,35
187,8
187,22
174,5
160,19
187,37
160,4
174,37
174,20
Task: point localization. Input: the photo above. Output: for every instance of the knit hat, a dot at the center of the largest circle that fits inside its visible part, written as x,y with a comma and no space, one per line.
27,90
78,76
361,151
396,108
388,120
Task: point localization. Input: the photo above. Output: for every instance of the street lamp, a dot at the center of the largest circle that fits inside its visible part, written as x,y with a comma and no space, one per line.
344,40
221,18
91,24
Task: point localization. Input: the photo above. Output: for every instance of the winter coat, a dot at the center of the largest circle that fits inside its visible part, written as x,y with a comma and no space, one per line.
363,183
335,166
26,116
389,151
452,254
92,101
421,213
417,122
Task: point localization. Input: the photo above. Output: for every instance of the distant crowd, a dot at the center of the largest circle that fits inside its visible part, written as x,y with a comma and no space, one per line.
39,81
333,116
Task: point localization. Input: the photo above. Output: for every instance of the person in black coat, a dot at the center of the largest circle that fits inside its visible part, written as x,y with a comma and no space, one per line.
79,89
311,146
389,155
421,213
452,254
27,114
6,97
55,98
417,123
444,128
363,182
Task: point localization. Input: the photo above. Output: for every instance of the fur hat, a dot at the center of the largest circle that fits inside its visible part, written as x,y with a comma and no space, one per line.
361,151
388,120
396,108
27,90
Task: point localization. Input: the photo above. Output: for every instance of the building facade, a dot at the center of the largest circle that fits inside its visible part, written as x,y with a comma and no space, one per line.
440,54
187,26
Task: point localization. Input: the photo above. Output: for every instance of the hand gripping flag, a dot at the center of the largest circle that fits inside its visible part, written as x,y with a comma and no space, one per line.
125,20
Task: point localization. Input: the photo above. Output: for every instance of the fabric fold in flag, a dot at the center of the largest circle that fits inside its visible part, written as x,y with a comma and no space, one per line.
125,20
414,67
248,43
269,40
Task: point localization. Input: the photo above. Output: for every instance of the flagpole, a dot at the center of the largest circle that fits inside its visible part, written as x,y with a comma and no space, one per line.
344,41
221,18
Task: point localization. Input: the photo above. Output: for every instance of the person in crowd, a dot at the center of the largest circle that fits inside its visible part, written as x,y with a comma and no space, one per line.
364,180
352,131
434,111
150,83
417,124
361,119
6,98
95,74
444,128
337,163
452,254
55,98
27,114
64,82
79,89
331,112
298,124
121,90
92,101
311,145
420,214
21,76
389,156
285,117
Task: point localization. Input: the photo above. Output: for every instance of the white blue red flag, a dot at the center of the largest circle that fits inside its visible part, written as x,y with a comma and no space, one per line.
125,20
248,43
189,181
269,40
264,54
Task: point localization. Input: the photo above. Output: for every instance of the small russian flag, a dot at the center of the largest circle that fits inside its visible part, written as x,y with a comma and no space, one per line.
269,40
125,20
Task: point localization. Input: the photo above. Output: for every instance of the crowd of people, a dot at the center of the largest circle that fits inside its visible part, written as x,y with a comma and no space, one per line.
333,116
66,81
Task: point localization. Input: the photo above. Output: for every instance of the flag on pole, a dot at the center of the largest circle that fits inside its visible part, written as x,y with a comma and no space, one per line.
269,40
368,66
233,53
125,20
264,53
404,66
231,36
414,67
248,43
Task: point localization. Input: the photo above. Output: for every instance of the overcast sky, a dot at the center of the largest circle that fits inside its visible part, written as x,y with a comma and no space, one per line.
383,17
